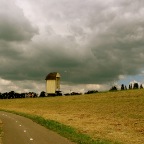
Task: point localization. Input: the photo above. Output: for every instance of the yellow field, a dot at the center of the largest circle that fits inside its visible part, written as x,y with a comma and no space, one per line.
116,116
0,132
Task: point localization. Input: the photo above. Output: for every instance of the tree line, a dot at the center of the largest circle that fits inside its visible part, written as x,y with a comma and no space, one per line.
12,95
124,87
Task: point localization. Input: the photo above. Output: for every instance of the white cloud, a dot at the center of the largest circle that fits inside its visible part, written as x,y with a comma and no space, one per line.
4,82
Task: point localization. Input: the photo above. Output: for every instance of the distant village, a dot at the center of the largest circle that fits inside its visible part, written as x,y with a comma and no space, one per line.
53,89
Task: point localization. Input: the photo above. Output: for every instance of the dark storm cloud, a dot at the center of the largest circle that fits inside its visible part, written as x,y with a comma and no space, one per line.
15,30
13,24
108,36
86,41
117,39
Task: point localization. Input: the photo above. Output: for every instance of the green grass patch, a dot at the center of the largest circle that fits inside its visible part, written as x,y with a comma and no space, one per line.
64,130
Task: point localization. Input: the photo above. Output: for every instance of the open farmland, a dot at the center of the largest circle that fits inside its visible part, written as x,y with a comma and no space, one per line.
115,116
1,132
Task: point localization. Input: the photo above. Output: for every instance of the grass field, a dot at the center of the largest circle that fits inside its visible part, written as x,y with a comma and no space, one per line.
115,116
0,132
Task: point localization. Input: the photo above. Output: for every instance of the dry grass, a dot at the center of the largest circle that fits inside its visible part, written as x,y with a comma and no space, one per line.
0,132
116,116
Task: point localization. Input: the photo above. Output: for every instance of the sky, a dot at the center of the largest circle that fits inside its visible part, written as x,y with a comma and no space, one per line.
93,44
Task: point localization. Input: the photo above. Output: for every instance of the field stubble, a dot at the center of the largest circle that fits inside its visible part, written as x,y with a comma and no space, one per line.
1,131
115,116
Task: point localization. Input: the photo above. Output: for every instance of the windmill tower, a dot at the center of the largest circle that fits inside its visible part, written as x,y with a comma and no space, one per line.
52,83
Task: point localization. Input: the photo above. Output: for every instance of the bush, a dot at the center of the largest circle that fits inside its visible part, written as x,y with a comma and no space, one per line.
114,88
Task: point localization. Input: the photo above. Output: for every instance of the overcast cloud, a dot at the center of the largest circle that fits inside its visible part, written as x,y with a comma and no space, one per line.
91,43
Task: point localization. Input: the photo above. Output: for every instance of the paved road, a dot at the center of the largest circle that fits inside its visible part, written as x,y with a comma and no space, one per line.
21,130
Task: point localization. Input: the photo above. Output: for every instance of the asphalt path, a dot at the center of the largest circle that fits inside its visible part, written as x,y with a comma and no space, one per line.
21,130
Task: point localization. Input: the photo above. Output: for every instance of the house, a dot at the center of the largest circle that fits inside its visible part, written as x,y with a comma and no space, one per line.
52,83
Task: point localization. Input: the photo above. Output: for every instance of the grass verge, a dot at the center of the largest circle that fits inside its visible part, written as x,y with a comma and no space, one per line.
65,131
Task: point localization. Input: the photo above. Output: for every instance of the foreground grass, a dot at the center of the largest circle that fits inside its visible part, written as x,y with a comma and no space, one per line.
113,116
0,132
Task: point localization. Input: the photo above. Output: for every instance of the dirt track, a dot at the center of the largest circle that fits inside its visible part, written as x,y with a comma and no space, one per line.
20,130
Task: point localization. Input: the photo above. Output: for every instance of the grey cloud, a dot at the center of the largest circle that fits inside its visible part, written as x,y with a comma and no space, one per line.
95,42
118,43
13,24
